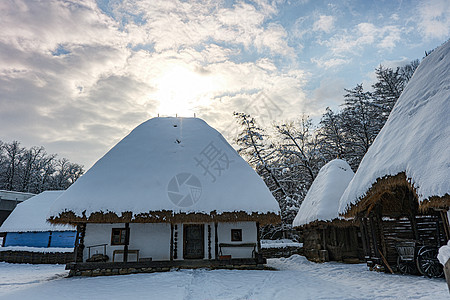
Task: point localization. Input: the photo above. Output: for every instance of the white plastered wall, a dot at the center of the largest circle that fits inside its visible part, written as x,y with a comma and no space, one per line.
152,240
249,235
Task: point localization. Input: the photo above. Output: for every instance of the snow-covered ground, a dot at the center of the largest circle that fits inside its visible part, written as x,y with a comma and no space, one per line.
282,243
296,278
36,249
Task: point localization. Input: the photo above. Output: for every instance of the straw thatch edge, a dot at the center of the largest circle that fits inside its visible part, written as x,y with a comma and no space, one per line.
386,185
165,216
335,223
436,202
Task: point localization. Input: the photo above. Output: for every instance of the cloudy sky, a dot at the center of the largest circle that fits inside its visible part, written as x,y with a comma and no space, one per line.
77,76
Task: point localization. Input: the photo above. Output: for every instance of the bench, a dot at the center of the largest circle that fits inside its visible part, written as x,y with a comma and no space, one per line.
240,245
123,252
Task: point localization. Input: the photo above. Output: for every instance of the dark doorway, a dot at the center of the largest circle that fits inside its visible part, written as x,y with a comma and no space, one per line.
194,242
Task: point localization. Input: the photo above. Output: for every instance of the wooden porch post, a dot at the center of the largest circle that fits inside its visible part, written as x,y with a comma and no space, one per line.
175,246
209,242
362,229
258,237
79,242
216,242
171,241
127,242
76,242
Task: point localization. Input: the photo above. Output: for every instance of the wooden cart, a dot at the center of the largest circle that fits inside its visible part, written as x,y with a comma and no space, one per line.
414,257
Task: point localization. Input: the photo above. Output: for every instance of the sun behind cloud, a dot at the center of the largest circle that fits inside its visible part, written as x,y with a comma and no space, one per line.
180,90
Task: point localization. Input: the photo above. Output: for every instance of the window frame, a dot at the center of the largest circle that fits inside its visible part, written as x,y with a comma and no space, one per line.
122,236
236,235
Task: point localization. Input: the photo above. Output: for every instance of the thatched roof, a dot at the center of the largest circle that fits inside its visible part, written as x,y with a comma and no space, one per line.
168,170
322,200
412,148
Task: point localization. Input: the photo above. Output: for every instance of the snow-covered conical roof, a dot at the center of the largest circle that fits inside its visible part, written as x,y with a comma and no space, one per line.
31,215
322,200
414,141
167,168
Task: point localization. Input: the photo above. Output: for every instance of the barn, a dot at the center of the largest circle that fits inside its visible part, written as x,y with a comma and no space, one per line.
326,236
9,200
27,225
171,193
401,191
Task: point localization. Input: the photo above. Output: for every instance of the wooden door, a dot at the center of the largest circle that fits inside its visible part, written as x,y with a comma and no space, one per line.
194,242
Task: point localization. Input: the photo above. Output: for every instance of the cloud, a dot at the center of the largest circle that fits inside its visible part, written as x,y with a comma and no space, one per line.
362,35
328,94
82,77
395,17
434,18
325,23
169,26
330,63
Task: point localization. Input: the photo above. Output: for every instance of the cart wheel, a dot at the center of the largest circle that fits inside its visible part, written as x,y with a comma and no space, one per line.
427,262
406,267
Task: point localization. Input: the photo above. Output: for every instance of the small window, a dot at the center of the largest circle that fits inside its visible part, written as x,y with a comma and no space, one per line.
118,236
236,235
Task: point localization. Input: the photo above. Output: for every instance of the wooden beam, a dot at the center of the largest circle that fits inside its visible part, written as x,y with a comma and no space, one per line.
363,231
127,242
175,246
379,218
80,247
171,241
76,243
216,242
386,262
209,241
258,237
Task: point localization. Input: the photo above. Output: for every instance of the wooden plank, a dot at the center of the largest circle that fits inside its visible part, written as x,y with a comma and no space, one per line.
386,263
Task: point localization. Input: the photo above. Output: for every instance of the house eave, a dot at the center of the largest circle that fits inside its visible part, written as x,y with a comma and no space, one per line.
387,184
165,216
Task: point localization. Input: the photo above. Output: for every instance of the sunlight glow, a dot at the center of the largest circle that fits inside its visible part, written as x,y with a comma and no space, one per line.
180,91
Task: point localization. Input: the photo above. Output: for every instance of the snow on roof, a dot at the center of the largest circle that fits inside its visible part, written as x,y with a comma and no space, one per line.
322,200
174,164
31,215
15,196
416,137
